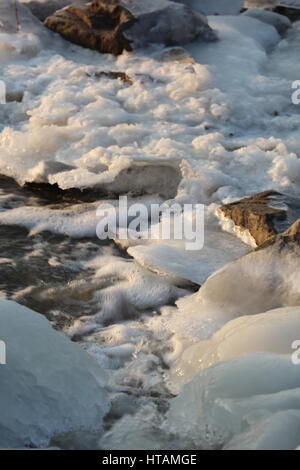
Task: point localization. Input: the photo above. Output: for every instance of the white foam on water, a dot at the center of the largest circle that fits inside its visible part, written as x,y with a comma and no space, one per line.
173,111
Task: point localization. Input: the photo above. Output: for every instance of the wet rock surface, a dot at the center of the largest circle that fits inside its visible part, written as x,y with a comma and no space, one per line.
264,214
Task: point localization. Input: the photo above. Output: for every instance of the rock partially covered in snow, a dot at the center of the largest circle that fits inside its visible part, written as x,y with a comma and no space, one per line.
280,22
263,215
49,386
110,27
166,22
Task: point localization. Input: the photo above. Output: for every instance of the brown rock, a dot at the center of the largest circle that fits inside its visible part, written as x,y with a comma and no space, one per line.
264,214
113,76
288,239
94,26
112,26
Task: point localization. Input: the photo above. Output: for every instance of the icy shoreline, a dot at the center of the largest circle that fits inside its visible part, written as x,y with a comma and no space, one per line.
209,123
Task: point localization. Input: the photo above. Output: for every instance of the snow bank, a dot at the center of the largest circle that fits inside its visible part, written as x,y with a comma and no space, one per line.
49,386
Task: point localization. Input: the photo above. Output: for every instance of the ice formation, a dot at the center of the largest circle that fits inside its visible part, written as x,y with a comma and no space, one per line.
281,23
210,124
250,402
247,402
49,386
272,331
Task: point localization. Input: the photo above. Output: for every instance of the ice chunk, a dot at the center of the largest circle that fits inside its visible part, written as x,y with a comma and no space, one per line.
172,257
49,386
272,331
262,280
280,431
207,412
250,402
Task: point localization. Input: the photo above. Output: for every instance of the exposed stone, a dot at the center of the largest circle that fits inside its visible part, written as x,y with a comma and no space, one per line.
289,238
112,76
93,26
112,27
264,215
